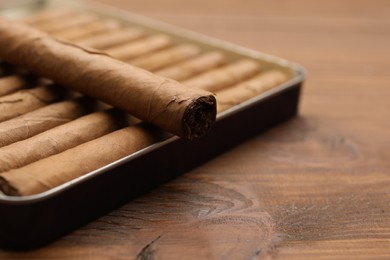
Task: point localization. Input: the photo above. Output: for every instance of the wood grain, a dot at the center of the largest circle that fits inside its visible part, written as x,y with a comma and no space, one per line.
317,186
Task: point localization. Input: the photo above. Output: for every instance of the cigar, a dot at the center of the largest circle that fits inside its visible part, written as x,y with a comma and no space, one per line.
226,76
241,92
109,39
64,24
90,29
194,66
42,119
141,47
166,57
27,100
183,111
50,15
41,176
61,138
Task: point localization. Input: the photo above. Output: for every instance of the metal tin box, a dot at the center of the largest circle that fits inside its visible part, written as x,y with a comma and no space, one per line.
31,221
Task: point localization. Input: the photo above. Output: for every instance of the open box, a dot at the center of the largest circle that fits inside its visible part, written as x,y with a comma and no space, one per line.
31,221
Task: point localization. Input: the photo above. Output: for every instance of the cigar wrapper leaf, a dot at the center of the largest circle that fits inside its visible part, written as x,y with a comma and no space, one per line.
27,100
74,34
186,112
61,138
243,91
226,76
42,119
166,57
140,47
39,176
107,40
194,66
64,24
50,15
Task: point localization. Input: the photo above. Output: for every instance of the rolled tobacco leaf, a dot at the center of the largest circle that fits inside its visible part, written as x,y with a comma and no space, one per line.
64,24
241,92
61,138
194,66
106,40
40,176
73,34
42,119
50,15
27,100
157,60
141,47
184,111
226,76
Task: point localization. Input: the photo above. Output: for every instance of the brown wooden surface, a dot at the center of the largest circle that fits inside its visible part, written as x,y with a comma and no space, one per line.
316,186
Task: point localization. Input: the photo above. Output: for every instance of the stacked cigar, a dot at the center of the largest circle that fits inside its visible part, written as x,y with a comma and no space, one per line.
50,134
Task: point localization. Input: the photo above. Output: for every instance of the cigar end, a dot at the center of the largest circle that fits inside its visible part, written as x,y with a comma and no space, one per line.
199,117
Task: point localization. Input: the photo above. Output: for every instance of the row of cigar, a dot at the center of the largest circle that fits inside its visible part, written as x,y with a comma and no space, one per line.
50,135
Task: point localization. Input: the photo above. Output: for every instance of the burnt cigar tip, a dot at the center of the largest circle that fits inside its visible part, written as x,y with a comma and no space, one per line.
199,117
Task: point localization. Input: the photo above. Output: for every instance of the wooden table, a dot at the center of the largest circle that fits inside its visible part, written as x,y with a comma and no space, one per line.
315,186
